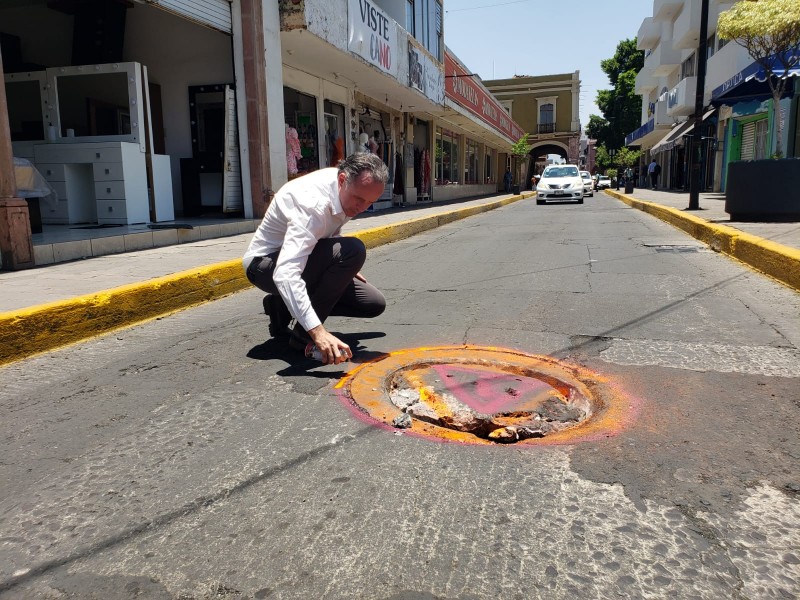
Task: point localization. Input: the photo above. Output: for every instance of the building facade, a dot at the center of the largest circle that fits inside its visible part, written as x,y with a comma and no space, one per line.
547,108
187,109
737,107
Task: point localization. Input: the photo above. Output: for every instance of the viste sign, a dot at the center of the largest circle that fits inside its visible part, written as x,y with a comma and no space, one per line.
372,34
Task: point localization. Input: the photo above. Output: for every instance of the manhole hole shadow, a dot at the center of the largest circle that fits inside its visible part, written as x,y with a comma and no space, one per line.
484,395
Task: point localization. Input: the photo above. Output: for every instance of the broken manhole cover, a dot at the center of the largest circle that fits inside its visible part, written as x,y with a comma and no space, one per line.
485,396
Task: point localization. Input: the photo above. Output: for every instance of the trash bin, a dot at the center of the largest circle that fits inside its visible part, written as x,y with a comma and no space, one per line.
628,187
515,189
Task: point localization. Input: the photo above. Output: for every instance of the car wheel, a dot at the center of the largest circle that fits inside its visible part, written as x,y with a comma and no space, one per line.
580,201
539,202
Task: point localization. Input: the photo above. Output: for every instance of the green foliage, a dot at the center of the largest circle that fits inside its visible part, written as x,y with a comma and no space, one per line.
521,148
602,158
627,157
770,31
597,127
612,173
621,106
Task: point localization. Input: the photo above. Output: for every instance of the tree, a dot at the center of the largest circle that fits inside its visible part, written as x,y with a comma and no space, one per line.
770,31
520,150
621,106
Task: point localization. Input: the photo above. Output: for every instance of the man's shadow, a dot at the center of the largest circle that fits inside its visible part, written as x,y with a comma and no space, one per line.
299,365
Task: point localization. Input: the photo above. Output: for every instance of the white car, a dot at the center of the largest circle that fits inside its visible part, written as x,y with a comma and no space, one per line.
603,182
588,184
560,183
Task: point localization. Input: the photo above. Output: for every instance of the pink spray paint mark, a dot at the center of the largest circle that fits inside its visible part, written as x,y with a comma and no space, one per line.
488,392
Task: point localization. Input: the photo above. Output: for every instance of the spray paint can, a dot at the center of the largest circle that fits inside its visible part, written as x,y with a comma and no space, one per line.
313,352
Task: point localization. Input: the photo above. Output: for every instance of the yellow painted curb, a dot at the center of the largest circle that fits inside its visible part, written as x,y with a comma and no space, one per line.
45,327
776,260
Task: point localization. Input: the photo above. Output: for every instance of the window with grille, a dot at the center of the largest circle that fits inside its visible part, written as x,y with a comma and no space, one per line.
546,118
688,67
410,20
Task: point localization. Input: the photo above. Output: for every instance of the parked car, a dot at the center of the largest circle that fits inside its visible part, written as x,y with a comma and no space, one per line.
588,184
560,183
603,183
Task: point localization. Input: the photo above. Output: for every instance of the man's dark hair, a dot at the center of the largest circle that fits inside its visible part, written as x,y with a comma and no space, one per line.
356,164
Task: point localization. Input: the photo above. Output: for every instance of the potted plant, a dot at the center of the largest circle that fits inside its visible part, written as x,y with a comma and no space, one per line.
762,190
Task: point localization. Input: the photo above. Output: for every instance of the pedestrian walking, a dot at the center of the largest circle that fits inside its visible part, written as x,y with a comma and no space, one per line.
507,180
309,271
653,170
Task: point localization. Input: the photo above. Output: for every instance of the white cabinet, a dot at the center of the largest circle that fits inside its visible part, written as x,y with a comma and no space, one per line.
102,182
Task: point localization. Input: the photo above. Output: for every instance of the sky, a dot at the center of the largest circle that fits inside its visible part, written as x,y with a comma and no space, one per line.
498,39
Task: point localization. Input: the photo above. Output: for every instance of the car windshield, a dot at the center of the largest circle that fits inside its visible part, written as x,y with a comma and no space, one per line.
603,177
560,172
585,175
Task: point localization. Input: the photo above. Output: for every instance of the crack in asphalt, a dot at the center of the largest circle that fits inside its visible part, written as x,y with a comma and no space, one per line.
187,509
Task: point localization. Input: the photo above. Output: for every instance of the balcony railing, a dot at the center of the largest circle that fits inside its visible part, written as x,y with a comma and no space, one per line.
547,127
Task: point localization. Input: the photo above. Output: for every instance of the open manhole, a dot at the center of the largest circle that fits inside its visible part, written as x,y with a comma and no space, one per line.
485,396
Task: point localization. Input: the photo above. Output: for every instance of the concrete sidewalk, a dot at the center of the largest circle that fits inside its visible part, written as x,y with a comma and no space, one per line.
44,308
712,209
771,248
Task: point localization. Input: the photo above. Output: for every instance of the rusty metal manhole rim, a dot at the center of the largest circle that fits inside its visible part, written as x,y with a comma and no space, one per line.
365,391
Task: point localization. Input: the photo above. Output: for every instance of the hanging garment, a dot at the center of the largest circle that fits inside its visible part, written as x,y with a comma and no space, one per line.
337,153
426,171
293,152
398,174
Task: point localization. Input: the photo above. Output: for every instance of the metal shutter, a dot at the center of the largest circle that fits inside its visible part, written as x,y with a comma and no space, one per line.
212,13
748,141
232,200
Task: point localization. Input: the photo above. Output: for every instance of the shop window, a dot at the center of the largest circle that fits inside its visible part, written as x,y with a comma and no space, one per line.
334,133
446,156
488,174
302,138
471,162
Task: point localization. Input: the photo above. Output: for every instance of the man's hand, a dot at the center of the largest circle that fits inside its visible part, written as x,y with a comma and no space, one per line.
333,350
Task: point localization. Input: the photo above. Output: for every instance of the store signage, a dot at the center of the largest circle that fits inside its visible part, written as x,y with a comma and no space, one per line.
372,34
425,74
463,89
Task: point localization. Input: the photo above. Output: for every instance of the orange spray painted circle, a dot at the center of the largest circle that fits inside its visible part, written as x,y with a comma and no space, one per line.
485,395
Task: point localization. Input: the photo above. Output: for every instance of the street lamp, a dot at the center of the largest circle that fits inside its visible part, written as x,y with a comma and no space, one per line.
697,142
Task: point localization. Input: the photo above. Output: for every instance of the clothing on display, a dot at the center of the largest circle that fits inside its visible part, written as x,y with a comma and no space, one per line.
293,151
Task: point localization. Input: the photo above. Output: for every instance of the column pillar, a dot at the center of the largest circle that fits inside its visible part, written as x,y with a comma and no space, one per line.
16,244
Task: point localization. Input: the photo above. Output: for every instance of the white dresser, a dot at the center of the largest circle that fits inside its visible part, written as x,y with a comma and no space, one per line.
100,182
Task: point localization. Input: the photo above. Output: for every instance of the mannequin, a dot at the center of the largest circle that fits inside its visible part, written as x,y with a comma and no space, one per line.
292,149
363,142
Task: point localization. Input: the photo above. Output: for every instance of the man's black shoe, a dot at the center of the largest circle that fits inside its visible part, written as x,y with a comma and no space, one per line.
278,314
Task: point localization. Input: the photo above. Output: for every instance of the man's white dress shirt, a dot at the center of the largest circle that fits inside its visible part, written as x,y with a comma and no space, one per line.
303,211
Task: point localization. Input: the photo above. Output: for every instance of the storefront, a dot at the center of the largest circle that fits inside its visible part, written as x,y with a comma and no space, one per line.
472,136
422,159
155,77
747,128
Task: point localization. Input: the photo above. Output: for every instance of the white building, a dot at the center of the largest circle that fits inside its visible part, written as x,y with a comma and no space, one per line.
737,108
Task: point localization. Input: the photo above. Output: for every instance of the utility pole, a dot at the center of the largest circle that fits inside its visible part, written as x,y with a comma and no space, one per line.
697,141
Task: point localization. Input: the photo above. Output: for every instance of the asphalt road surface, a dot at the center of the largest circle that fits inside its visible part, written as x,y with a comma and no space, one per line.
187,458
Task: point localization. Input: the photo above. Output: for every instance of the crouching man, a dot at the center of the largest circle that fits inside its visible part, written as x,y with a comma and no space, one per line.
308,270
